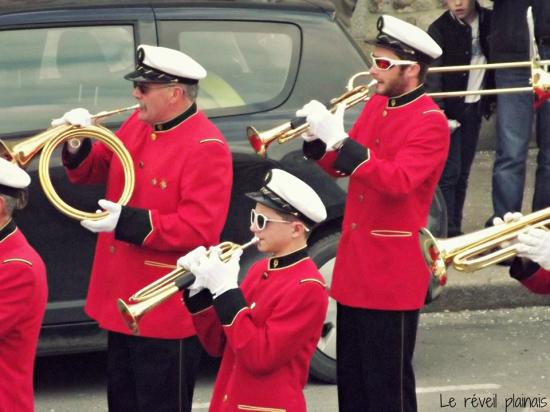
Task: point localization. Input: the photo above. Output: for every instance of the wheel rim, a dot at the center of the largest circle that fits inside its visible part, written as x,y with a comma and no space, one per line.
327,342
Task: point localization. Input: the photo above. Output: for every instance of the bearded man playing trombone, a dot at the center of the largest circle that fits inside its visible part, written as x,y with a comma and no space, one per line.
394,156
181,199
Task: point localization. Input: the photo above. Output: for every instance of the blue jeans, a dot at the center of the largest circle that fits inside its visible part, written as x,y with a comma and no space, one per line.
515,115
454,180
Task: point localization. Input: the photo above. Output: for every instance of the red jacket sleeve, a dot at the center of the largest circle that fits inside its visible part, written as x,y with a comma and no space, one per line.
539,282
16,290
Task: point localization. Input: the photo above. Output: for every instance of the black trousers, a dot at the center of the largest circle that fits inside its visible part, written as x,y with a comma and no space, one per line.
375,351
148,374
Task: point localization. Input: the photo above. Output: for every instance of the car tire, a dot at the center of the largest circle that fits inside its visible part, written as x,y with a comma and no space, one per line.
323,363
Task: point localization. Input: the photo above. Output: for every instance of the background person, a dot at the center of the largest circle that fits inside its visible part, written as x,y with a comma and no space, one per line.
462,33
268,329
394,156
509,42
23,296
181,198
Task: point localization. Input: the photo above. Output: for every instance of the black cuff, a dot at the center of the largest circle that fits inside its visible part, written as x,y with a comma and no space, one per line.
522,269
314,149
133,225
228,304
198,302
72,161
350,155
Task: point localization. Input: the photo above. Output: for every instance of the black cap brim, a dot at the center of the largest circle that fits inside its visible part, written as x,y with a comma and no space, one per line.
259,197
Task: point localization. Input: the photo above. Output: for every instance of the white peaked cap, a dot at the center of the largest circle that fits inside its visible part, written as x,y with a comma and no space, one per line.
163,65
286,193
12,176
406,38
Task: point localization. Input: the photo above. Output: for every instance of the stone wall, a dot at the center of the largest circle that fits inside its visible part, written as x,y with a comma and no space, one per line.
418,12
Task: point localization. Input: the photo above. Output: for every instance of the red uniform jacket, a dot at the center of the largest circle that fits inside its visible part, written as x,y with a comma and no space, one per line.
23,297
531,275
539,282
180,201
267,331
394,158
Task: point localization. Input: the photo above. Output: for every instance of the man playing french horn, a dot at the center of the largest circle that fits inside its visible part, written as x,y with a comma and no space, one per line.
181,198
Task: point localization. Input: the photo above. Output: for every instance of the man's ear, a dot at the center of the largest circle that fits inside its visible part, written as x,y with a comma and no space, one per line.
413,70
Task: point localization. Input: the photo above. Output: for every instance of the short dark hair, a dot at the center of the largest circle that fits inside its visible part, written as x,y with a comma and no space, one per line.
293,218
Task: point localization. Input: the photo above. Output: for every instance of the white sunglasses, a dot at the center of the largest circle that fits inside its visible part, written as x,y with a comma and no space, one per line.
385,63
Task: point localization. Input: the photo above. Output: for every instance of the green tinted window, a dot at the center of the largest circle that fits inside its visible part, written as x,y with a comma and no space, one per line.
45,72
251,66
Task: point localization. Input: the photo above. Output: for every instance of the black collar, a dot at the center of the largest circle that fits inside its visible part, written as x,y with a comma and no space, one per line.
281,262
159,127
7,230
406,98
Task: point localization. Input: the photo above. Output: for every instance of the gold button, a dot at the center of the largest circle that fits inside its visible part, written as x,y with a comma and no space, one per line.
265,275
154,181
141,164
377,141
163,185
361,197
253,305
153,136
353,226
384,113
225,397
112,249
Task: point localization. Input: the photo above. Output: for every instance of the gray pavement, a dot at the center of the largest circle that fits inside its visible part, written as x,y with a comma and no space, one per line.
491,287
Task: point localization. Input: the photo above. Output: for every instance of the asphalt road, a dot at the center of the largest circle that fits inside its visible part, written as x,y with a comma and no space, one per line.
462,357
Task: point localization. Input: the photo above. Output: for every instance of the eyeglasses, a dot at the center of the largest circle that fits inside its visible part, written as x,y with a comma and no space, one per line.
385,63
145,88
260,221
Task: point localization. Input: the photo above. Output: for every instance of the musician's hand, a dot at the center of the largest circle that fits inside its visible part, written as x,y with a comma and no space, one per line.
75,117
109,222
327,126
190,259
453,124
509,217
216,275
534,244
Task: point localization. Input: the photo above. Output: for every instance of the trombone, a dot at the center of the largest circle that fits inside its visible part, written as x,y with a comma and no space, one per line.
167,286
540,80
476,250
46,142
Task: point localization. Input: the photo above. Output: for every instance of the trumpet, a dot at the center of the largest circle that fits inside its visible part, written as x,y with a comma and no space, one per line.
167,286
260,141
47,141
476,250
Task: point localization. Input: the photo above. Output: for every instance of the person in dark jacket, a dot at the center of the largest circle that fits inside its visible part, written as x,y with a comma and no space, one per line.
462,33
509,41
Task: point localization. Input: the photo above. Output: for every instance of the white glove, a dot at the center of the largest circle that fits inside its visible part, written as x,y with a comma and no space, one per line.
76,117
509,217
534,244
186,262
109,222
218,276
453,124
327,126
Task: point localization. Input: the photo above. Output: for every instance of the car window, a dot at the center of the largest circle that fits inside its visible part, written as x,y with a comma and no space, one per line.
47,71
251,66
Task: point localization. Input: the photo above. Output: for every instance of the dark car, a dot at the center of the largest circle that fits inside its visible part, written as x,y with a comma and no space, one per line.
264,60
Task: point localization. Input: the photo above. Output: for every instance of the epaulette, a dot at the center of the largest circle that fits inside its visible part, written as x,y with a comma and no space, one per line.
18,260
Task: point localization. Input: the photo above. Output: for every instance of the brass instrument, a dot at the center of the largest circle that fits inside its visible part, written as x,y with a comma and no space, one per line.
167,286
477,250
260,141
46,142
540,81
